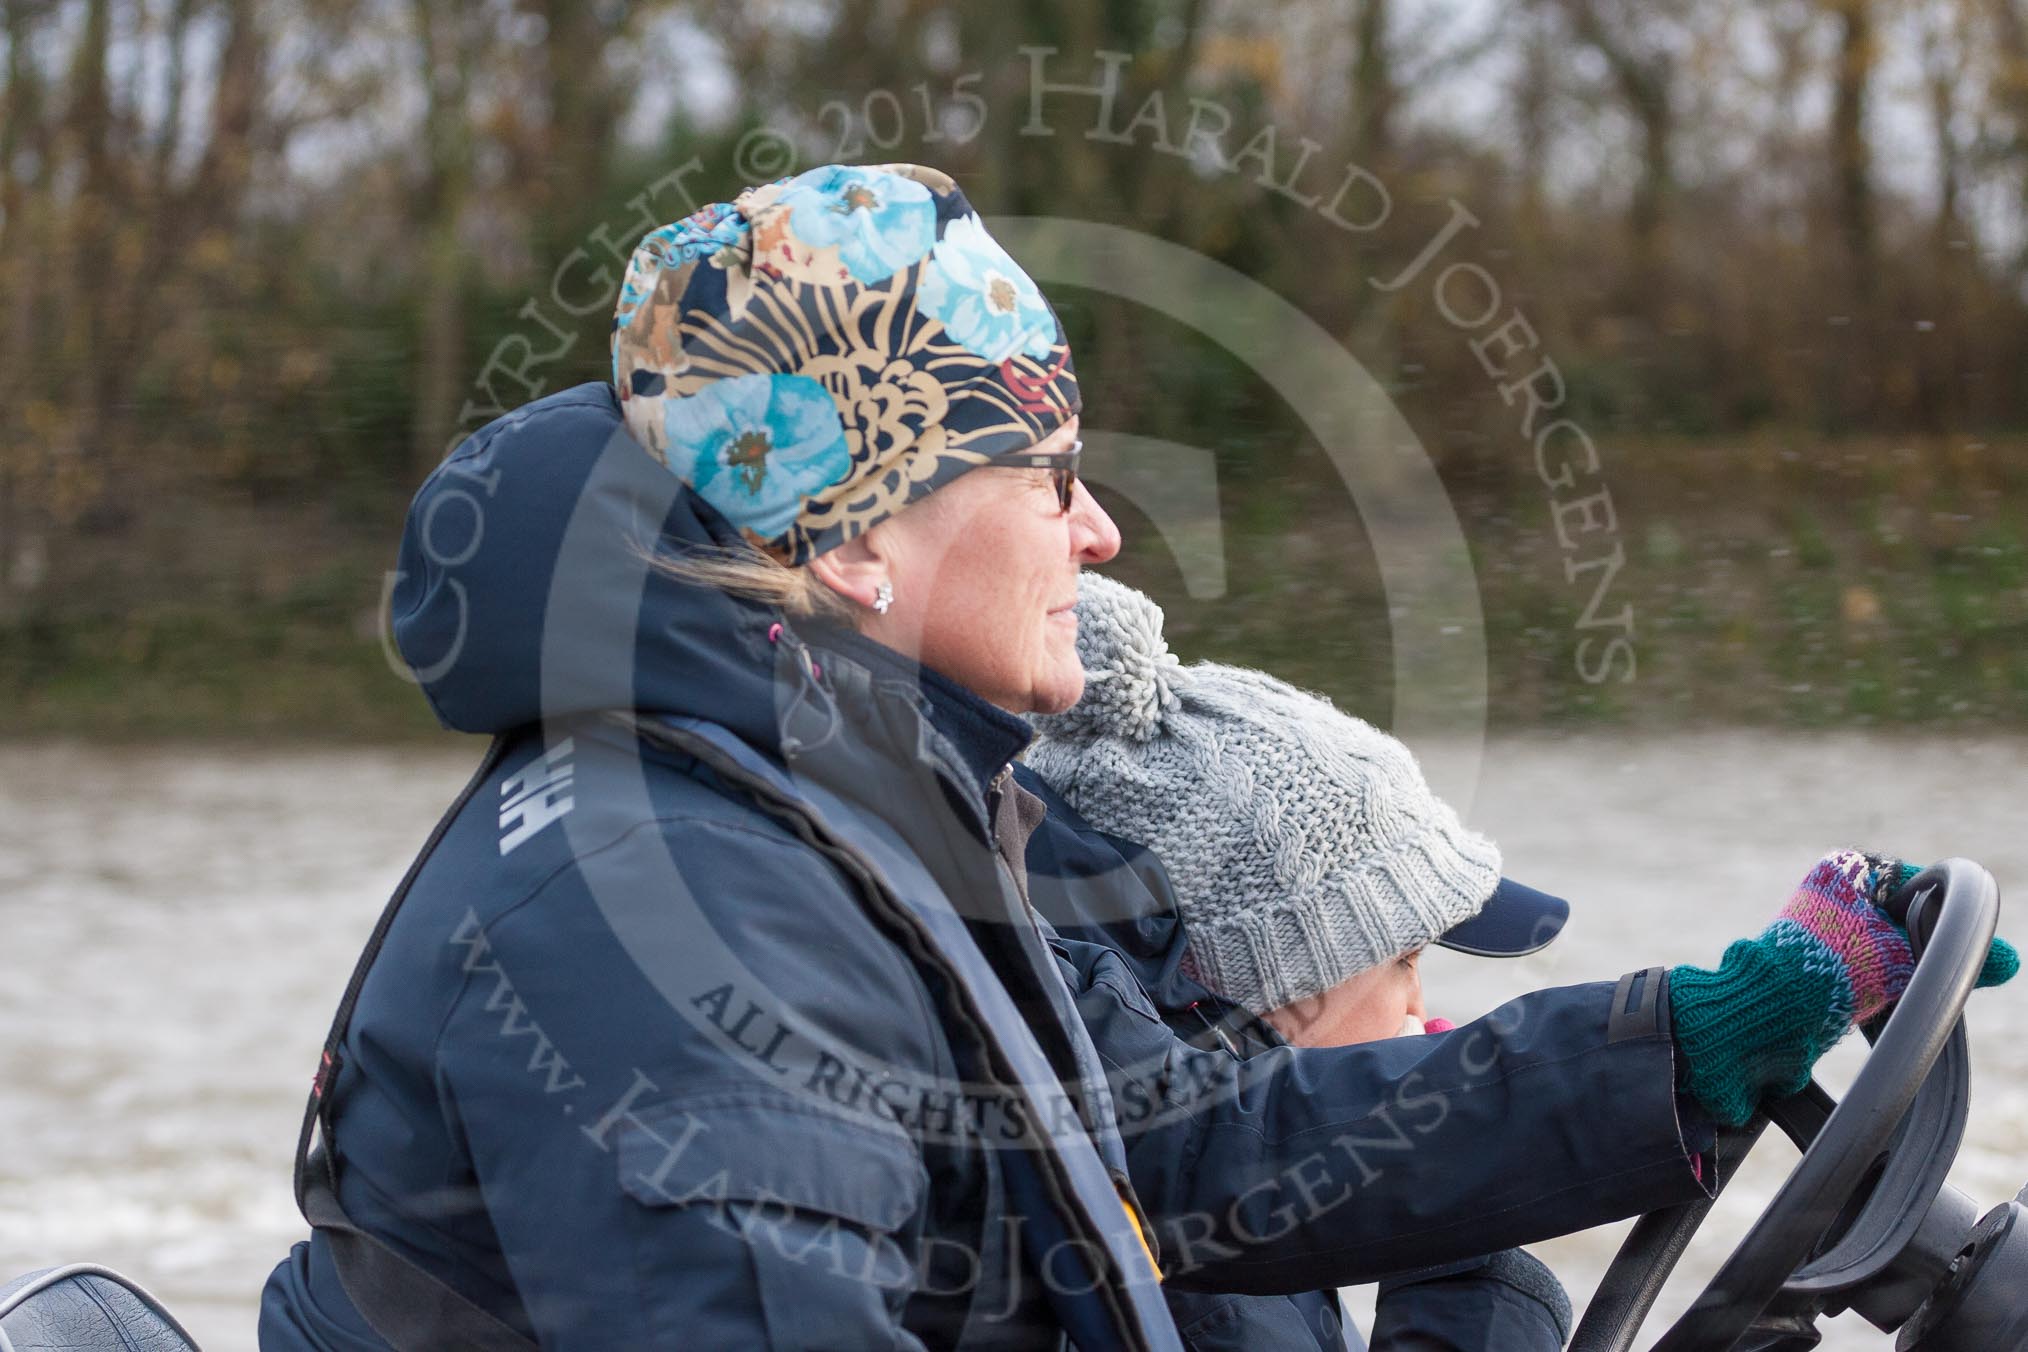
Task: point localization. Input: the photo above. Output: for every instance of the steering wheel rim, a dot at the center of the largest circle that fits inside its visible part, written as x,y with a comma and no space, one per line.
1952,913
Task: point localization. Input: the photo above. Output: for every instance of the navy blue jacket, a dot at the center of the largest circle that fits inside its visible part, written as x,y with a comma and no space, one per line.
716,1021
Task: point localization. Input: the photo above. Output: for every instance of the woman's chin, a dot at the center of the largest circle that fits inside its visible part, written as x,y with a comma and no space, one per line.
1060,689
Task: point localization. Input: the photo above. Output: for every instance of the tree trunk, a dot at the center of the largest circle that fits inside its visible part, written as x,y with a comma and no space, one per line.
1534,93
177,29
13,301
226,168
583,113
91,114
1646,83
1851,153
146,232
1946,45
1374,93
1649,99
14,114
440,357
20,199
85,294
2011,83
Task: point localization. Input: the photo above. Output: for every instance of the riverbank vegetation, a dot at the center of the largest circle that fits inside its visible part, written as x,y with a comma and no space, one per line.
1762,265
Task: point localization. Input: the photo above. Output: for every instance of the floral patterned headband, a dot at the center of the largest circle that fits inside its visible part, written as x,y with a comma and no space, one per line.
820,352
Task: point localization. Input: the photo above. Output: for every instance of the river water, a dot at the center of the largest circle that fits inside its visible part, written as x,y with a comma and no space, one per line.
176,926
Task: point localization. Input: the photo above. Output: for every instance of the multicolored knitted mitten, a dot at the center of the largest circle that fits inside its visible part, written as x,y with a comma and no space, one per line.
1831,960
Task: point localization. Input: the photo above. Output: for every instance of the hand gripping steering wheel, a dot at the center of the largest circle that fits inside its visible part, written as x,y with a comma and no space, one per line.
1864,1221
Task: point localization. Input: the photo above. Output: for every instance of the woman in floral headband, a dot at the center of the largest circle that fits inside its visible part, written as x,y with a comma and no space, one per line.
744,330
714,1013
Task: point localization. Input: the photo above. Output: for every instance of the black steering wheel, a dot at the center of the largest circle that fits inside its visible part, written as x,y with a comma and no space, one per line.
1864,1220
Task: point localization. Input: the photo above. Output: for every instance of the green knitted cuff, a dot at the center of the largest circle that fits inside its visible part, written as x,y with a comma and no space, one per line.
1757,1025
2002,962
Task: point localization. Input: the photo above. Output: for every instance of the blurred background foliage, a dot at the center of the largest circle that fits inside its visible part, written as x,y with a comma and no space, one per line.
263,261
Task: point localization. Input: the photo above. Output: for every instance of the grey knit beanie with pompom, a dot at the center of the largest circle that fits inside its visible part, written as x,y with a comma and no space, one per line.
1303,844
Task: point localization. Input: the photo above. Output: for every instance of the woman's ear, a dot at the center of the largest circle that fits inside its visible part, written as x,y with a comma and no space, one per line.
854,569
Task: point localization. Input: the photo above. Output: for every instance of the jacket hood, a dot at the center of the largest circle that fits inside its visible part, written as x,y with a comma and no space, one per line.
525,590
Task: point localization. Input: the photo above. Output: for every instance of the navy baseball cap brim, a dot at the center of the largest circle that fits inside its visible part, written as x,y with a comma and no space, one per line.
1517,919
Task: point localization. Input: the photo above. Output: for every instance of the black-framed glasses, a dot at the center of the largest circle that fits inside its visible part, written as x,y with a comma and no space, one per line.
1062,467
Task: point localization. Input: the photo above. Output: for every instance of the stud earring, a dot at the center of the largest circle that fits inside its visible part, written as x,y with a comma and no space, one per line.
883,597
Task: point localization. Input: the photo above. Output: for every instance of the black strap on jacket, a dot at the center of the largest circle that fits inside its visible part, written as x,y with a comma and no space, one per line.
1638,1006
405,1305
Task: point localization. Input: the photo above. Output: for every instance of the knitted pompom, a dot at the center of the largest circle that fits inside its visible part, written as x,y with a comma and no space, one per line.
1130,676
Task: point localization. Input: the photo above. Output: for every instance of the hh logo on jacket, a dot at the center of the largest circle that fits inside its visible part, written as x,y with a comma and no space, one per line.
536,795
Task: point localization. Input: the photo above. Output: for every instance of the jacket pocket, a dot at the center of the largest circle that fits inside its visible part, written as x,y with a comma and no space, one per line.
819,1210
1228,1323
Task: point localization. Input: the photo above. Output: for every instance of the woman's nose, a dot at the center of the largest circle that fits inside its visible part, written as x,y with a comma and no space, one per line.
1093,536
1415,1005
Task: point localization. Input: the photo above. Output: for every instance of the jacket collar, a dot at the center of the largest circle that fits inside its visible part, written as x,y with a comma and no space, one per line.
985,736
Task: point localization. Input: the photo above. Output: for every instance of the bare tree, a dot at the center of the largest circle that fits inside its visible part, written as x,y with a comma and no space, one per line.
1533,98
1850,150
583,110
21,125
444,50
21,121
86,308
1642,65
1950,49
2010,76
90,118
1375,94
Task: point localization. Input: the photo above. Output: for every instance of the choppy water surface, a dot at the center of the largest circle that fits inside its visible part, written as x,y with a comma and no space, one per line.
176,925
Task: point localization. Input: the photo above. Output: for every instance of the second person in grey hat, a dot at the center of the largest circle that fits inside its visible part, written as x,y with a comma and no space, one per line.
1311,865
1308,855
